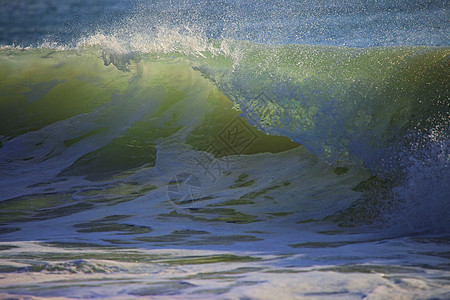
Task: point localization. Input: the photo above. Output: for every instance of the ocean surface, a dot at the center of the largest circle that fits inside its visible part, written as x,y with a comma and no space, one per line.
224,149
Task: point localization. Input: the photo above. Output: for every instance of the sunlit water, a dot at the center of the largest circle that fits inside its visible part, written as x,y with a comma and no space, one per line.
224,150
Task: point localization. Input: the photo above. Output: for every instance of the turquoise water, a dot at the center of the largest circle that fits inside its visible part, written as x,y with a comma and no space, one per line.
181,151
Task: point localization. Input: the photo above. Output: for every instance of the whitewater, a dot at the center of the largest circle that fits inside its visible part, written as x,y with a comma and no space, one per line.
224,150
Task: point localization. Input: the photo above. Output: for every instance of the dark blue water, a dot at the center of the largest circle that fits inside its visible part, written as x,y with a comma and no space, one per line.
32,22
342,23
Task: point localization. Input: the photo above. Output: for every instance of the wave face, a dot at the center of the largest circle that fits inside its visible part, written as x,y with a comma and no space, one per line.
103,110
344,105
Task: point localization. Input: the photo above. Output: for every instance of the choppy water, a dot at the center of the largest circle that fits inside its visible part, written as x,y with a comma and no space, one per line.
231,150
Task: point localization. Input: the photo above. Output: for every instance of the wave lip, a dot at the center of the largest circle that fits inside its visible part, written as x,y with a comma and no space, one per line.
345,105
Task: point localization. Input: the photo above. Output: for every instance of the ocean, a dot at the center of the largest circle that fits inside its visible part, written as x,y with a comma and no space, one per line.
224,149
